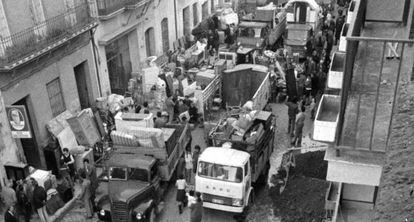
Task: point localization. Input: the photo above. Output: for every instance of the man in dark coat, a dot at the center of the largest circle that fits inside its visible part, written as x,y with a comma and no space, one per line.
340,21
10,215
39,199
292,111
196,155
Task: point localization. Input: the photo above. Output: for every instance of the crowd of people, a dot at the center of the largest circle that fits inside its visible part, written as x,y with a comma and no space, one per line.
311,75
26,197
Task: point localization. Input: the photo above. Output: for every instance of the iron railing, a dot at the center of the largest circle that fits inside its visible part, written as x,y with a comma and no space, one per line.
39,37
368,99
106,7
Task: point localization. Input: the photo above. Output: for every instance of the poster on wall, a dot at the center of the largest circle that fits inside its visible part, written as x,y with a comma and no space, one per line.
19,123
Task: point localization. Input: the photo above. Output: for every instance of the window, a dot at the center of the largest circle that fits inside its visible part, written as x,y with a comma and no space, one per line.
195,14
117,173
212,6
164,32
204,10
138,174
220,172
54,90
149,42
186,21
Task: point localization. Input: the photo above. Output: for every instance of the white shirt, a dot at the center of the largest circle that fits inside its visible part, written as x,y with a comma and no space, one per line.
188,161
181,184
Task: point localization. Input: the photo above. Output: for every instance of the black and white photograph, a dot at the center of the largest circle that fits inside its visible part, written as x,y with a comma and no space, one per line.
207,110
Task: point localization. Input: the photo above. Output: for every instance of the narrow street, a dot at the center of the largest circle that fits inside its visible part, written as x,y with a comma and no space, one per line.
261,212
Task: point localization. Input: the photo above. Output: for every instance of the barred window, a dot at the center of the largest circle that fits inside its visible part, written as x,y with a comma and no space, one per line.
54,90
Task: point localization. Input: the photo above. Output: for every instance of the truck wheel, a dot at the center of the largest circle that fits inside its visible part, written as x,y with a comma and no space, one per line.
262,180
246,210
152,216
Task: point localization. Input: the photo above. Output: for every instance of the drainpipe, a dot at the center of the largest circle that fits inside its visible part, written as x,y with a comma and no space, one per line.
175,18
96,62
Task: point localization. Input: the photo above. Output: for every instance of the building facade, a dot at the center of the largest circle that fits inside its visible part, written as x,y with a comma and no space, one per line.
130,31
47,65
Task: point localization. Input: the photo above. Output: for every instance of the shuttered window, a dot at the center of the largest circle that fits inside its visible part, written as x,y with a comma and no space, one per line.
204,10
195,14
165,38
54,90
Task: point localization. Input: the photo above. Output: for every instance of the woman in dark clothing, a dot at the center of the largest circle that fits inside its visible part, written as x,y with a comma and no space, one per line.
197,209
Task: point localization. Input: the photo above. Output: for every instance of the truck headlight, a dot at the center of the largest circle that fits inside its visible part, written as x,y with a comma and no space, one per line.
237,202
102,212
139,216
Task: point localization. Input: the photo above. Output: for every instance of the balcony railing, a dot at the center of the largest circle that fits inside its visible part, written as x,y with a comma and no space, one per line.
106,7
34,39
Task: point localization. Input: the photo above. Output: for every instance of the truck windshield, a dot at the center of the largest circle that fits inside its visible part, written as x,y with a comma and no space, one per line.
220,172
298,35
138,174
249,32
117,173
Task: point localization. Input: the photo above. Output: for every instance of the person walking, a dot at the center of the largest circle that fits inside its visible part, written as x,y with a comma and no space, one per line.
10,215
86,195
292,111
39,199
181,196
196,155
300,122
197,209
188,165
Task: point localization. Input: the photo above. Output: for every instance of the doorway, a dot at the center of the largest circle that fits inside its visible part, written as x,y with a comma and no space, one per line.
81,84
301,11
29,145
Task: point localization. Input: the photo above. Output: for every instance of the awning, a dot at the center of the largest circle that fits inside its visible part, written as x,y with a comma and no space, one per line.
112,36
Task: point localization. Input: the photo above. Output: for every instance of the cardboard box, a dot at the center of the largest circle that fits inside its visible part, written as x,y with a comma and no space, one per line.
84,128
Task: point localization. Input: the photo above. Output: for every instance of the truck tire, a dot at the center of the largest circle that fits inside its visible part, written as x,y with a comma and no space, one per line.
246,210
152,216
262,180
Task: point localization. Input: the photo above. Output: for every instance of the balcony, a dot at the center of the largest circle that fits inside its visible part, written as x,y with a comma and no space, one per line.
107,8
30,43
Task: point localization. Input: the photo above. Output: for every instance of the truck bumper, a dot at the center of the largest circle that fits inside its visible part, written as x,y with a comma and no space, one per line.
223,207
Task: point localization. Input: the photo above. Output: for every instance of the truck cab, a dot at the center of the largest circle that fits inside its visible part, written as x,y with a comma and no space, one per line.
224,179
132,190
238,161
297,37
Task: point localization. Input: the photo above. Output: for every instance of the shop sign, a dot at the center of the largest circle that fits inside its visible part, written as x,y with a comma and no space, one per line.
19,122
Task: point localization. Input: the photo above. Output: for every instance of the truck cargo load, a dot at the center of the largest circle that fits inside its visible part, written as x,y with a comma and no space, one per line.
246,82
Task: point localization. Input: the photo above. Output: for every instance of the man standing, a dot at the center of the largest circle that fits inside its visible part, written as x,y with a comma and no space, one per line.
169,103
340,21
39,199
10,215
292,111
90,172
9,195
300,122
196,154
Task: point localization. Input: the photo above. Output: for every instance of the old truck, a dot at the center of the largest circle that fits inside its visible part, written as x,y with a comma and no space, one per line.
297,37
138,171
227,172
262,29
